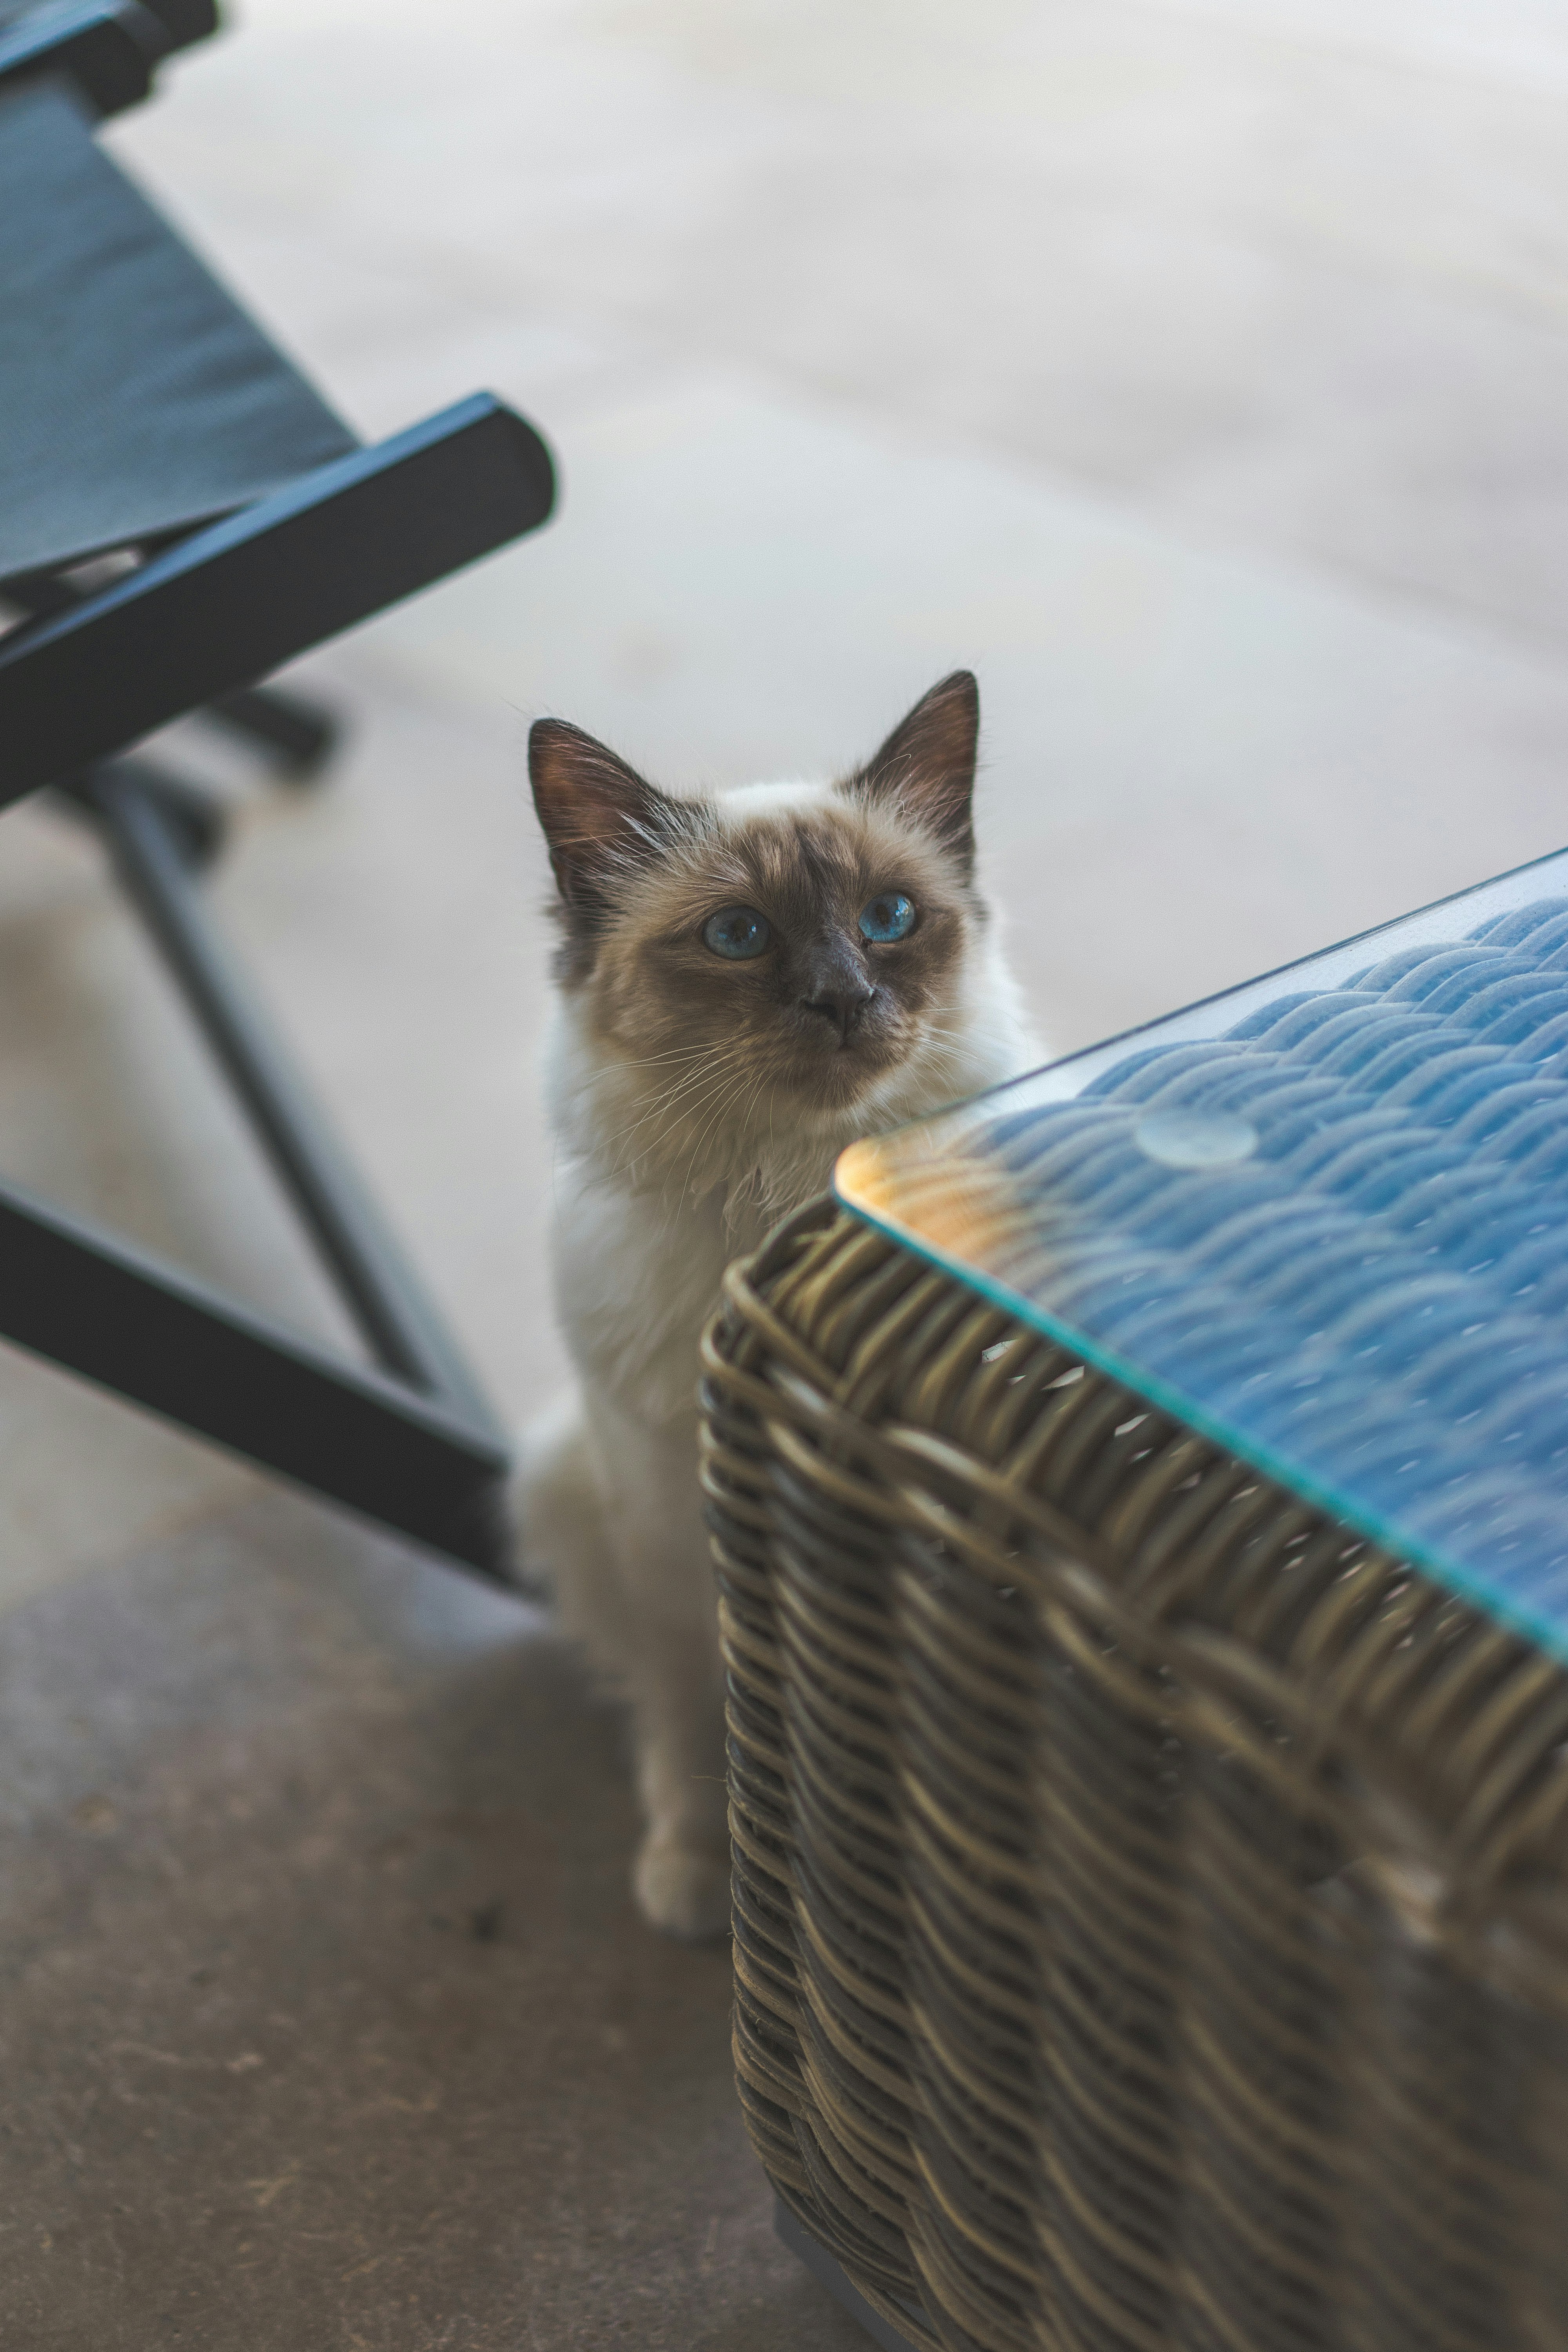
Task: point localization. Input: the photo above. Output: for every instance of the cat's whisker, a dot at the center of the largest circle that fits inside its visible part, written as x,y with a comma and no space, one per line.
706,1107
739,1122
709,1106
672,1098
714,1114
684,1101
668,1096
676,1053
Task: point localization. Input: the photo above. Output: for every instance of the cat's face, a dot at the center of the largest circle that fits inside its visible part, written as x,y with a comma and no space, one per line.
805,940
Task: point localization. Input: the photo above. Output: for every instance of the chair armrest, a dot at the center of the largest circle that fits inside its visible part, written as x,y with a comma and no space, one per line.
232,603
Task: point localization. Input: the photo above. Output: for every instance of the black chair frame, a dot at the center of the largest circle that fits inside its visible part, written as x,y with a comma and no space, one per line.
91,670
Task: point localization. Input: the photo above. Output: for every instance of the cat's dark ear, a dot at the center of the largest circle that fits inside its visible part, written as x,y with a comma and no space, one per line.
600,818
927,764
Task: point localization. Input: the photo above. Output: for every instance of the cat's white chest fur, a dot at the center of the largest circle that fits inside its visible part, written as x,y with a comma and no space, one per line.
636,1275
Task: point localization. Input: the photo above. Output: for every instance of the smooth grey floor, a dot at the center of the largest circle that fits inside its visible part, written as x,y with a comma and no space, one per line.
325,2017
1197,370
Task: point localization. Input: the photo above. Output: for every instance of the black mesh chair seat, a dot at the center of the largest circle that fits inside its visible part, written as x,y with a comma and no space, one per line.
138,400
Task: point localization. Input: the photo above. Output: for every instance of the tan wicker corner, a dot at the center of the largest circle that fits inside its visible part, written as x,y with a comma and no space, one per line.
1149,1899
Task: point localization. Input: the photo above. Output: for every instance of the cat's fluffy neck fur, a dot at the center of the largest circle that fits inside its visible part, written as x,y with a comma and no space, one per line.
684,1135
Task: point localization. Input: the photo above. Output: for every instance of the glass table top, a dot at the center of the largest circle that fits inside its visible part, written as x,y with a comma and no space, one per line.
1322,1218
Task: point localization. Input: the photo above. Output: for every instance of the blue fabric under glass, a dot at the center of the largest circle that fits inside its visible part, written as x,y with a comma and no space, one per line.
1322,1218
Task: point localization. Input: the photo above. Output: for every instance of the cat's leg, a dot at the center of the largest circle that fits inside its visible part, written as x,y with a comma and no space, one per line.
609,1512
682,1873
560,1542
666,1645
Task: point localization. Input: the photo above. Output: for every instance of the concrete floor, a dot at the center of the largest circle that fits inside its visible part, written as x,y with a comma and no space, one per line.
1195,369
327,2017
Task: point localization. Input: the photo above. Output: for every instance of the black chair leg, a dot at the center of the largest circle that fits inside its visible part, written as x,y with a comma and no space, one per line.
196,821
148,1332
297,736
413,1443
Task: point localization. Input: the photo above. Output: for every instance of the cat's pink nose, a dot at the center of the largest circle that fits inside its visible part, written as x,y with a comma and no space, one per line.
844,1007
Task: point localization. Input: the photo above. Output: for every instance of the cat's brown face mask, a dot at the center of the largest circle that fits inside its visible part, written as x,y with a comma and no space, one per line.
802,939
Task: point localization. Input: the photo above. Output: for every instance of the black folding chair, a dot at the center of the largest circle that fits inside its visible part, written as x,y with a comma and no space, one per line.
180,512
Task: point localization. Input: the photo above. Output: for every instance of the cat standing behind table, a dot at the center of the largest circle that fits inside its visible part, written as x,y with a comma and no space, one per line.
746,981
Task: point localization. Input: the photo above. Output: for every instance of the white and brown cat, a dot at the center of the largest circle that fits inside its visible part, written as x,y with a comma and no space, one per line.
746,982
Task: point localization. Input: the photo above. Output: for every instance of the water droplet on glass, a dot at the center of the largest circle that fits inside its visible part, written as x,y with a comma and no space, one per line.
1195,1139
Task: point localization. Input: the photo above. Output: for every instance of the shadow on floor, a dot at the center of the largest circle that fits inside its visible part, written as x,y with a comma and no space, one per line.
326,2019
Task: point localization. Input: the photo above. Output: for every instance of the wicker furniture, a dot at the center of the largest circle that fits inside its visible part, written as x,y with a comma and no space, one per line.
1140,1511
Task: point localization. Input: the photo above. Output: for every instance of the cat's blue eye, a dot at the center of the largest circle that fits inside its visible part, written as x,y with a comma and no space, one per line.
890,917
737,932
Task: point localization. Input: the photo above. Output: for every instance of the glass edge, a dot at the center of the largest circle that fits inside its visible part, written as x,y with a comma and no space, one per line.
1200,1005
1541,1631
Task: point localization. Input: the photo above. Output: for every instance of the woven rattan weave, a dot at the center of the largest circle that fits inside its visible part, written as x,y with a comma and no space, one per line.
1151,1898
